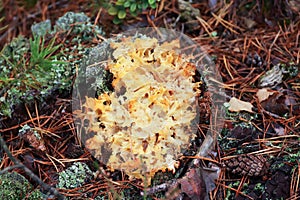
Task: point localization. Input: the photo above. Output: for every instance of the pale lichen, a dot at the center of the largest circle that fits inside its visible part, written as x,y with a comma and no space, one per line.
74,176
79,24
40,29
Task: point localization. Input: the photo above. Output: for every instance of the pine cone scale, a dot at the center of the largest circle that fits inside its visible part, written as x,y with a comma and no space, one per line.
251,165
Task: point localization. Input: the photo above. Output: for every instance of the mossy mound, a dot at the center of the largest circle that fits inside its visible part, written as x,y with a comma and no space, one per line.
42,67
14,186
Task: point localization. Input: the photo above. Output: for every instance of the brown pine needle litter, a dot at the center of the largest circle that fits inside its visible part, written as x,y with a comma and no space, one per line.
246,41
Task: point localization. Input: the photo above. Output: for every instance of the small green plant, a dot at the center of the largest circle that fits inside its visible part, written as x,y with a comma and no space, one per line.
120,8
41,55
292,157
34,69
259,187
229,192
29,69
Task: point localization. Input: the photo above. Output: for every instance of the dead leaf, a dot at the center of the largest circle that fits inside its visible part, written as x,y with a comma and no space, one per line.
263,94
243,134
237,105
279,103
249,22
279,130
191,185
236,49
210,175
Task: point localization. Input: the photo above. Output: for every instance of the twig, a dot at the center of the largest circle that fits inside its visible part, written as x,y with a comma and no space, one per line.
10,168
160,188
29,172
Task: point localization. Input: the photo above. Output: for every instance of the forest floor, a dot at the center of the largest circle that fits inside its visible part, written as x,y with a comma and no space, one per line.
255,46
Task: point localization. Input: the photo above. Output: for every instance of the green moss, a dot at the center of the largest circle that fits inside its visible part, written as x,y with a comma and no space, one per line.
13,186
11,67
36,195
290,69
74,176
293,155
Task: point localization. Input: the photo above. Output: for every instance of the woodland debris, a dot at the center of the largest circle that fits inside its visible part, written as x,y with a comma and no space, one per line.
236,105
195,184
248,164
33,137
279,103
272,78
263,94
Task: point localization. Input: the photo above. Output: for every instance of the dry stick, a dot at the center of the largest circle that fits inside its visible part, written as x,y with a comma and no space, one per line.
29,172
9,168
160,188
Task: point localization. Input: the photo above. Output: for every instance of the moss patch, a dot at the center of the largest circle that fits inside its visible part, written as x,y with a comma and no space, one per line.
14,186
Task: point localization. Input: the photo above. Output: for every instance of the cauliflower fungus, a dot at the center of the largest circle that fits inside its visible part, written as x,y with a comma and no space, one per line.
145,123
